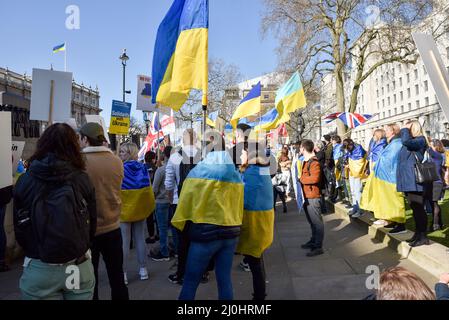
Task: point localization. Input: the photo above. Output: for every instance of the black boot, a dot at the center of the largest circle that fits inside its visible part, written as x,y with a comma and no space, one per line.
421,240
261,298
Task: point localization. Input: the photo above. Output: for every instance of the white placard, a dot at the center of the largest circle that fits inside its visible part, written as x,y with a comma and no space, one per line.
17,151
5,145
40,95
144,92
435,67
100,121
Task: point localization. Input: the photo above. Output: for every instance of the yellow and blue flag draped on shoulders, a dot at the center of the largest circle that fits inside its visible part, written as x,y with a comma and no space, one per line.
357,162
180,61
289,98
257,231
138,201
211,194
380,194
250,105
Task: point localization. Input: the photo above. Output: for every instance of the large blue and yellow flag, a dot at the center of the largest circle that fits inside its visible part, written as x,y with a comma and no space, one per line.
180,61
211,194
380,194
138,201
289,98
257,231
249,106
357,162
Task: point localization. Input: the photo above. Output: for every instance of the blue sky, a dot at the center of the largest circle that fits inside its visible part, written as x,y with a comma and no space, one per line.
30,30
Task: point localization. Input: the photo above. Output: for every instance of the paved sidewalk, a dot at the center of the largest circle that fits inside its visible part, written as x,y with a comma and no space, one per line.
338,274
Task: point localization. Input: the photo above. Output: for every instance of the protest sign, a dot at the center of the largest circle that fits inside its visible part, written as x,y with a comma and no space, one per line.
6,154
120,117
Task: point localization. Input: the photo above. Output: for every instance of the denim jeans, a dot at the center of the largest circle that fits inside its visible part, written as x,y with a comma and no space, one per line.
199,256
356,192
2,233
162,212
174,231
312,208
139,242
42,281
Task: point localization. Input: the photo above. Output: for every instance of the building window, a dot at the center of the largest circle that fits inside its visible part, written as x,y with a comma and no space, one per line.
426,86
447,52
409,93
426,101
389,101
394,85
383,114
389,113
400,81
383,91
400,68
402,96
417,104
402,109
395,111
388,88
416,74
395,99
266,97
383,103
409,106
378,105
408,77
77,97
377,92
417,89
424,69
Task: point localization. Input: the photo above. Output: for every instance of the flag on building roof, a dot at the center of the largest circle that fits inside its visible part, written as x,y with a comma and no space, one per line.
249,106
180,61
59,48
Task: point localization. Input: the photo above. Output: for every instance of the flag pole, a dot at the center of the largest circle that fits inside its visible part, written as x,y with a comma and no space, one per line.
203,129
65,58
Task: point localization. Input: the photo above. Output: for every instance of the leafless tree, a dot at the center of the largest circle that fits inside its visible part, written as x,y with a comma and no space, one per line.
222,76
348,38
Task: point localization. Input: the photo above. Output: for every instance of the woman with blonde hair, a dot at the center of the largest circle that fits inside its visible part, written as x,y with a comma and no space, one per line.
377,144
414,147
137,205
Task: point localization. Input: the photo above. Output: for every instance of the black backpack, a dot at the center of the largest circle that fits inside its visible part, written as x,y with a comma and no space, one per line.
58,220
186,165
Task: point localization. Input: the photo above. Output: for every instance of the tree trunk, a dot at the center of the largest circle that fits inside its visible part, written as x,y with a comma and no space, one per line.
340,95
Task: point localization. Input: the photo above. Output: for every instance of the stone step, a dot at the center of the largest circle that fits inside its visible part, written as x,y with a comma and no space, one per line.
433,258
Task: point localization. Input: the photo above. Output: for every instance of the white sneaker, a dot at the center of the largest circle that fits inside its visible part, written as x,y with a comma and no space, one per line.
143,273
380,223
125,277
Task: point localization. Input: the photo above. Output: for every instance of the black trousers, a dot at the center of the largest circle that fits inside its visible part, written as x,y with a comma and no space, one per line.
281,195
257,267
109,245
416,202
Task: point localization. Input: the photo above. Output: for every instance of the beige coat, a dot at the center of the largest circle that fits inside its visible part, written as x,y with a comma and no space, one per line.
105,170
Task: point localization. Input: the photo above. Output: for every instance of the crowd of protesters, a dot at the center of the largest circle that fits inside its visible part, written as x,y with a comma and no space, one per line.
78,201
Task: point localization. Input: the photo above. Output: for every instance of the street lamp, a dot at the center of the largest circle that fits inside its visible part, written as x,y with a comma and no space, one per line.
124,57
147,120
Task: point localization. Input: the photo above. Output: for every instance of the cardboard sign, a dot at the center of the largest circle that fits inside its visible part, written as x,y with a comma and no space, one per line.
17,151
100,121
6,154
41,92
120,118
435,67
144,94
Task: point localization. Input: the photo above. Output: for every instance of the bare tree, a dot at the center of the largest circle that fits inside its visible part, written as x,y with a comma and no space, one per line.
222,76
336,36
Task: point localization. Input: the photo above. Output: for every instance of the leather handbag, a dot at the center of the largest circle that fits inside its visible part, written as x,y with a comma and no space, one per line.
426,171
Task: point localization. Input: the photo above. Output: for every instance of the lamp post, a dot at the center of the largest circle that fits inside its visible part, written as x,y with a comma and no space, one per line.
124,57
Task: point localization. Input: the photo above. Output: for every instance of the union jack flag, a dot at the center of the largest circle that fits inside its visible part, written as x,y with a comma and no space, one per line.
351,120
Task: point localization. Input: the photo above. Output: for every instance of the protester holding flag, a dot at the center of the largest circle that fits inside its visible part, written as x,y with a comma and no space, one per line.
137,204
380,195
414,146
210,209
105,170
258,218
357,167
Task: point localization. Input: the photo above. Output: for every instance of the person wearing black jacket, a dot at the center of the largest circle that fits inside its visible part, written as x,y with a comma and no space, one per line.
55,220
5,198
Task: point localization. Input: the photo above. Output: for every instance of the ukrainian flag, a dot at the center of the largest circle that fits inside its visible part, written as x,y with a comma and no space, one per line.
267,118
138,201
289,98
212,119
357,162
257,231
59,48
249,106
211,194
380,193
180,61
